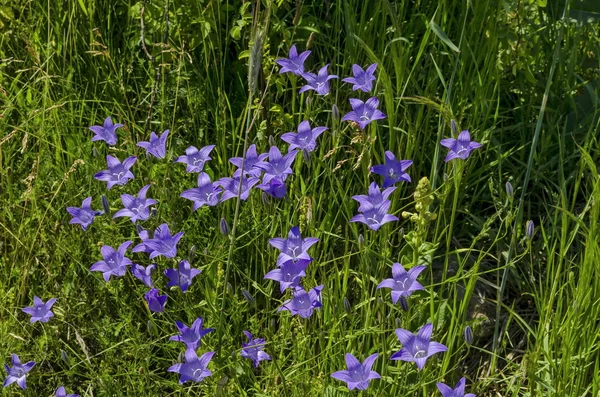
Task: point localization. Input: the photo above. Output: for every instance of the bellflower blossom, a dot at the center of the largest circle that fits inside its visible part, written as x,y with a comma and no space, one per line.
136,208
303,302
18,372
191,336
207,192
362,80
458,391
305,139
318,82
194,368
294,63
156,302
115,263
288,274
163,243
402,283
84,215
106,133
294,247
375,217
275,188
61,392
393,170
232,185
254,349
358,375
249,162
157,146
417,348
364,113
182,277
278,166
195,159
40,311
459,148
118,173
144,274
374,199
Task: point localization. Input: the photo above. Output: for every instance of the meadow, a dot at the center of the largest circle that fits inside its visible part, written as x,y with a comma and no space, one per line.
505,237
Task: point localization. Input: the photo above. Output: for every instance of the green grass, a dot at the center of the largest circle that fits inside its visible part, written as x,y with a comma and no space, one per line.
519,72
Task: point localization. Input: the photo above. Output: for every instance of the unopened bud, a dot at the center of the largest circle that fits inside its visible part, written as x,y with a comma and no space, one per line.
361,240
529,229
509,190
64,356
105,205
308,101
224,226
468,335
347,305
248,296
139,229
335,112
404,304
454,127
95,152
271,140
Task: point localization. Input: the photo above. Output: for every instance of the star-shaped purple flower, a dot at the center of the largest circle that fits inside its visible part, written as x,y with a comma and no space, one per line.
458,391
294,63
393,170
254,349
207,192
459,148
232,185
118,173
305,139
157,146
156,302
191,336
107,132
195,159
182,277
144,274
375,198
303,303
417,348
294,247
318,82
403,283
194,368
375,217
278,166
362,80
275,188
163,243
250,161
358,375
18,372
364,113
84,215
136,208
61,392
289,274
40,311
115,263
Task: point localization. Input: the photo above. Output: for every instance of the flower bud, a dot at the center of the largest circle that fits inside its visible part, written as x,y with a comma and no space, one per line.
454,127
509,190
347,305
404,304
468,334
139,228
306,156
64,356
308,101
361,240
224,226
192,254
271,140
335,112
95,152
105,205
248,296
529,229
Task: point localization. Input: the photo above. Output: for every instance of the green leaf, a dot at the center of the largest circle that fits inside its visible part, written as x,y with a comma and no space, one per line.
440,33
83,8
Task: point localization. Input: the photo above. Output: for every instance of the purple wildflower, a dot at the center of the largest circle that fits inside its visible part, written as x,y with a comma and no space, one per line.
40,311
303,302
107,132
294,63
191,336
136,208
157,145
375,198
182,277
458,391
275,188
144,274
145,236
61,392
459,148
305,139
156,302
358,375
403,283
254,349
163,243
393,170
115,263
249,162
278,166
375,217
362,80
194,368
232,185
318,82
18,372
84,215
289,273
207,192
294,247
417,348
118,173
364,113
195,159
